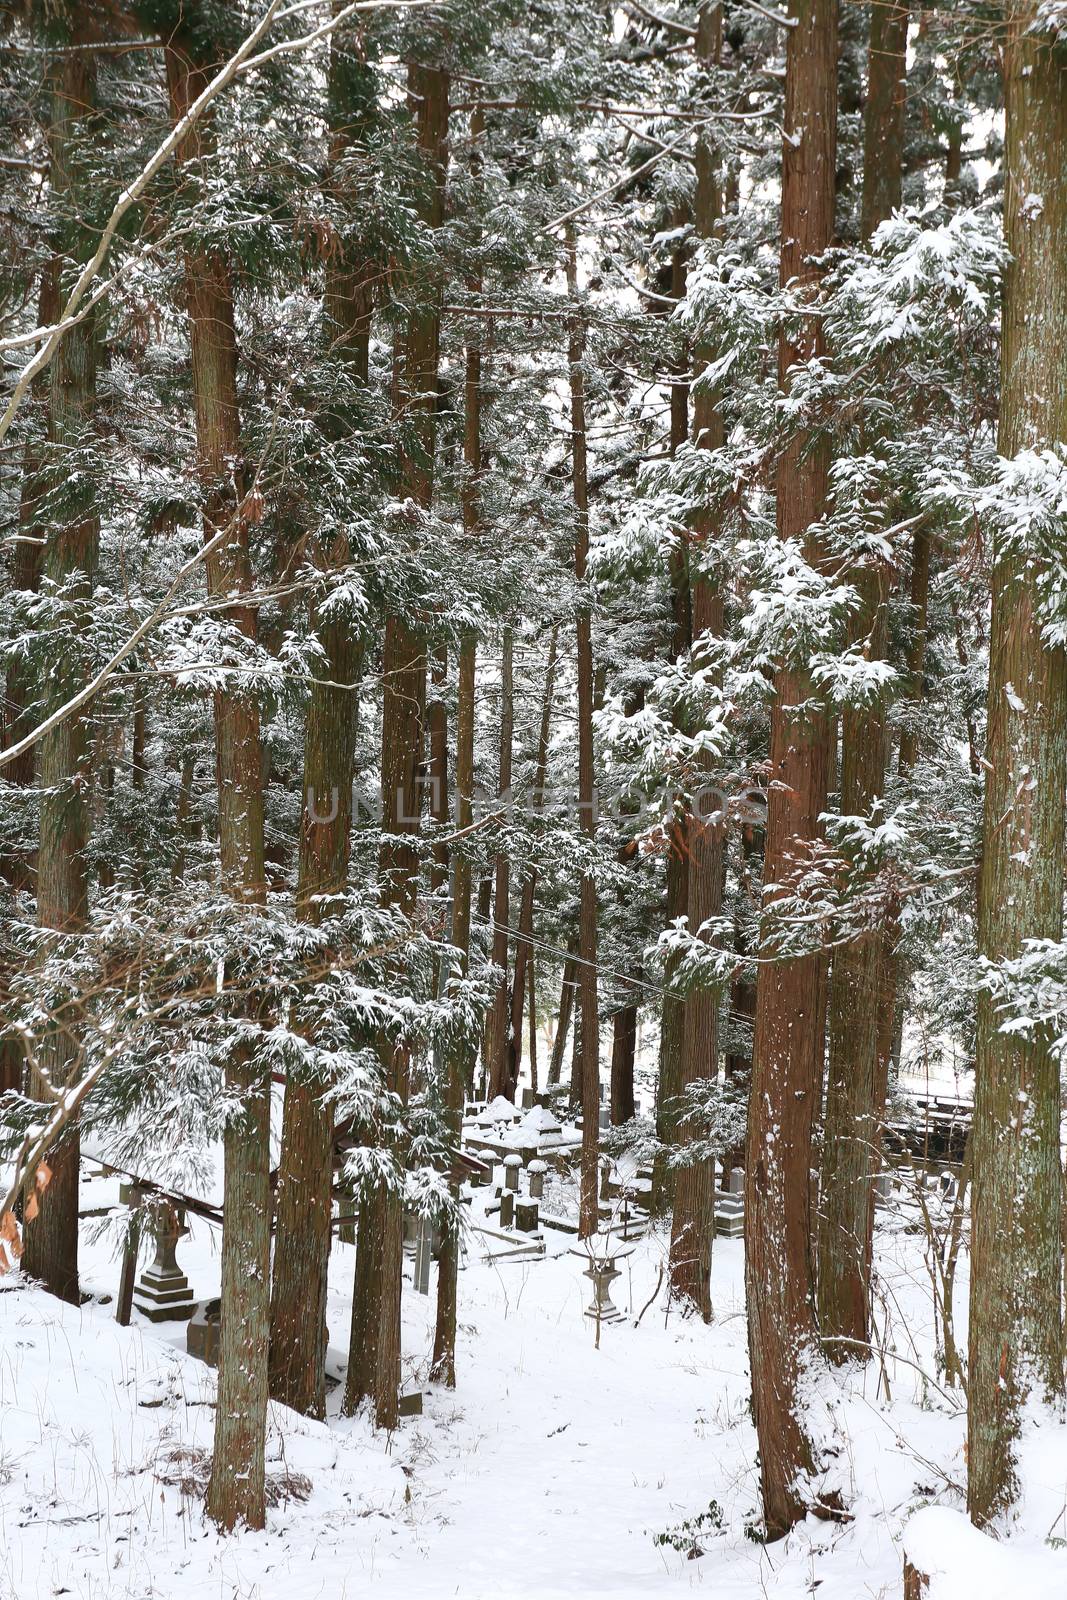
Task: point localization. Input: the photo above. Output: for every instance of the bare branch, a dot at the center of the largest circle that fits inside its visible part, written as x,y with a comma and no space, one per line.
627,178
661,22
125,650
241,61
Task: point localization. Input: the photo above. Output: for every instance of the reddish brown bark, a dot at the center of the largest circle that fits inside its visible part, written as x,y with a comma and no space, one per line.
858,1060
523,945
587,913
374,1353
790,1011
693,1220
51,1239
883,114
444,1345
568,989
500,1050
18,868
236,1488
672,1020
623,1055
305,1175
1016,1322
861,986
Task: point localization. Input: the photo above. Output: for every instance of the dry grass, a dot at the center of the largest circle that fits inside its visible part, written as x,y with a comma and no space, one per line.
188,1470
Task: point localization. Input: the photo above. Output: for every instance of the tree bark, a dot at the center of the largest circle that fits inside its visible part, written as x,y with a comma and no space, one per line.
523,945
501,1058
672,1018
443,1368
305,1174
623,1057
1016,1329
70,555
24,574
862,971
790,1011
374,1357
883,114
858,1059
861,983
18,868
236,1488
588,1217
693,1220
568,988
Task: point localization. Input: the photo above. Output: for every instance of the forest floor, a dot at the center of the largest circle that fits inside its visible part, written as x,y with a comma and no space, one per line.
554,1469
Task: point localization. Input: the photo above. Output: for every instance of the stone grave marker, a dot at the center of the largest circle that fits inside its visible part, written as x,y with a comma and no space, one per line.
162,1292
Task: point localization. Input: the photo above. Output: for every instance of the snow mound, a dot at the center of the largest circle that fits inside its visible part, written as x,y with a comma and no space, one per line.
538,1127
963,1563
498,1110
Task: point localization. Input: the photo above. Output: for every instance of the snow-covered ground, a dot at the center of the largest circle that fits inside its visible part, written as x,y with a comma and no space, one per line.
550,1470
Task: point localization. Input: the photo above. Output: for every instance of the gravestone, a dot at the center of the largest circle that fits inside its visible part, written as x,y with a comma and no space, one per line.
202,1334
423,1254
162,1292
526,1216
512,1168
537,1170
730,1206
507,1209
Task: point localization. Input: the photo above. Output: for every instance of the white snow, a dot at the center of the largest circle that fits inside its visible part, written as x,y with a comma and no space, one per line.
963,1563
548,1472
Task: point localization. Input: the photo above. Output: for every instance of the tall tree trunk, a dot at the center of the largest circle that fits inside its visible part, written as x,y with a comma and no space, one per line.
437,764
920,600
523,945
17,869
24,575
531,988
374,1356
883,114
693,1221
444,1344
236,1488
501,1081
51,1239
305,1174
588,1217
743,987
567,991
790,1011
1016,1330
862,971
623,1058
672,1019
857,1057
